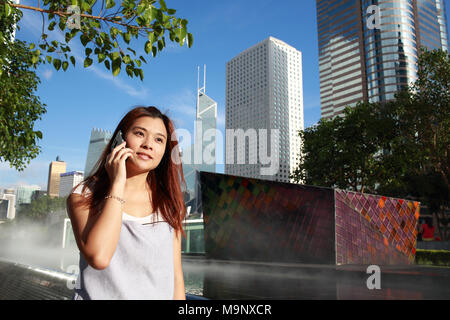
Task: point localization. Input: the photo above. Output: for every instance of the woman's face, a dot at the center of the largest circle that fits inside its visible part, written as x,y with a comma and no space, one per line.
147,137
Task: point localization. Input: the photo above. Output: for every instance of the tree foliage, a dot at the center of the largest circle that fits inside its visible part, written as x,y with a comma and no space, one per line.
40,209
107,30
19,106
398,148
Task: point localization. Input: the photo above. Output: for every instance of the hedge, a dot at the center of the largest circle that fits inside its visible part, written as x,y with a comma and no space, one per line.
433,257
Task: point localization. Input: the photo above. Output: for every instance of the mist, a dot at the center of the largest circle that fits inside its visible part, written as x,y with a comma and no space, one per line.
37,244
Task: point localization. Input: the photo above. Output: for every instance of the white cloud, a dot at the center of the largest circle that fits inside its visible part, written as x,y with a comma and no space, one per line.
35,174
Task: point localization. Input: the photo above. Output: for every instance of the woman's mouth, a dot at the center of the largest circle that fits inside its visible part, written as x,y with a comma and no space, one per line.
144,157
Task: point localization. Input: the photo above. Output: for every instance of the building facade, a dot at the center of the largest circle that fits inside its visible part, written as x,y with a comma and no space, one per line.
24,194
55,169
68,181
8,205
201,155
97,143
264,99
368,49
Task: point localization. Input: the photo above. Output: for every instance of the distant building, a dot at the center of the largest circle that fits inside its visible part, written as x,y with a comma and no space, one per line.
24,194
7,205
264,93
97,143
55,169
201,155
68,181
38,194
368,50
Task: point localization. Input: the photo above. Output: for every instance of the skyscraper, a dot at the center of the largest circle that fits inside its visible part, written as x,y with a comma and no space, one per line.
97,143
201,155
264,91
55,169
368,49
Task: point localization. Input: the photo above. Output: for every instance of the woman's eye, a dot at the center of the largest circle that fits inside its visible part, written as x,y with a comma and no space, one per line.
159,140
139,133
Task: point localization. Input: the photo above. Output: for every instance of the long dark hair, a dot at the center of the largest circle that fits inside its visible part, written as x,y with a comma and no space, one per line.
166,180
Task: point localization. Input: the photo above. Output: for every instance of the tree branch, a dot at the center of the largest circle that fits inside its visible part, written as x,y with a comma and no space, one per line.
62,14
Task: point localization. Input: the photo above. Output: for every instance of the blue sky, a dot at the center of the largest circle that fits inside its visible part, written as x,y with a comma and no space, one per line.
80,99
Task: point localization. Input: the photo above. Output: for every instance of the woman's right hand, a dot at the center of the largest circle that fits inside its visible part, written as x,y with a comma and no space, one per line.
115,164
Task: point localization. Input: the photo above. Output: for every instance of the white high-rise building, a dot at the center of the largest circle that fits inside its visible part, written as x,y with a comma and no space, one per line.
264,90
68,181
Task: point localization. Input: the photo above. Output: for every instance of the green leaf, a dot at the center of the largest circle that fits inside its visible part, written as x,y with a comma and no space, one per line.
151,37
190,39
65,64
171,11
127,37
116,64
140,8
126,59
87,62
114,32
99,41
72,59
51,26
7,9
49,59
54,43
88,51
101,57
148,47
141,74
163,5
32,45
142,58
57,63
160,45
107,65
110,4
115,55
84,39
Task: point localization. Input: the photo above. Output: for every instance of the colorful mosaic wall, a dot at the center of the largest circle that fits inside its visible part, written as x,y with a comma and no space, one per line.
374,229
250,219
257,220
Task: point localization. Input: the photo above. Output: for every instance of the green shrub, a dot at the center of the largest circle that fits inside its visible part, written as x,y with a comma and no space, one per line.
433,257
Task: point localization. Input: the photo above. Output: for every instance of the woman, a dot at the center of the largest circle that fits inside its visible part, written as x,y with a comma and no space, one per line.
127,215
428,230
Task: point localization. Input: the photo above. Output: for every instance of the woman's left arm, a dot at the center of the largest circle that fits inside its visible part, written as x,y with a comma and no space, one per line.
179,291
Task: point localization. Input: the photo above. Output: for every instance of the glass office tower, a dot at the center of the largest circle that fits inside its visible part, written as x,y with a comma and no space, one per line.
368,49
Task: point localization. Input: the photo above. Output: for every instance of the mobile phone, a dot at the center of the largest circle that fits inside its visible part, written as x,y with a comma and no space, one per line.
118,139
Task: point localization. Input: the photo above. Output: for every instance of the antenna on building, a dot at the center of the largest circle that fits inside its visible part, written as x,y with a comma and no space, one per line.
204,79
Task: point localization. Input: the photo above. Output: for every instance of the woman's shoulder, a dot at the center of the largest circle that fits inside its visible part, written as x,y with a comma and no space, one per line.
79,189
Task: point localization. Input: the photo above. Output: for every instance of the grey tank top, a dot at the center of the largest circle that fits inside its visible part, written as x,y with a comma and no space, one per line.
140,269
